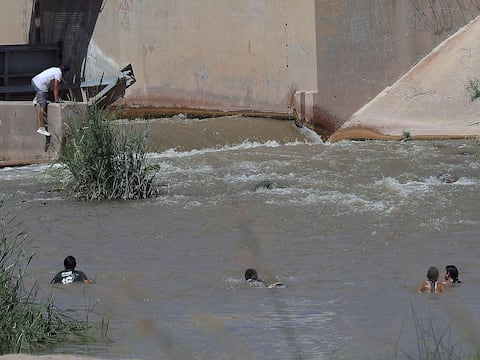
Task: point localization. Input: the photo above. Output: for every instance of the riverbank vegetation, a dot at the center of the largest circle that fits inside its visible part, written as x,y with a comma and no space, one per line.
26,323
435,344
436,340
473,89
106,160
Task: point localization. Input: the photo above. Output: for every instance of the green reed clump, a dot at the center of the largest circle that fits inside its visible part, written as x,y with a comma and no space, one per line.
473,88
106,160
26,323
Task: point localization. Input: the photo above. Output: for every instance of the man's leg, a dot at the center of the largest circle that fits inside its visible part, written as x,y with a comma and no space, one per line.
42,100
41,117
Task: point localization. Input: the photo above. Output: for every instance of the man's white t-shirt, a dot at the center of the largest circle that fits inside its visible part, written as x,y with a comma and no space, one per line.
43,79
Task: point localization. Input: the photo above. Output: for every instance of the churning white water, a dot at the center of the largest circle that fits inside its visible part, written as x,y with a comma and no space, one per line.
351,229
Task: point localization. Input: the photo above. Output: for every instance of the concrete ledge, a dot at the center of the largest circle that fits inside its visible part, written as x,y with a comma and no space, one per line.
365,133
20,144
305,102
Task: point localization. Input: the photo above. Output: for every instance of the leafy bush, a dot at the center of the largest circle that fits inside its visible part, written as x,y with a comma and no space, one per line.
106,161
26,324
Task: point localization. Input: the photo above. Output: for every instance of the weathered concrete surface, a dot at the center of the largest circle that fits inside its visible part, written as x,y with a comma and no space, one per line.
430,101
320,59
229,55
249,55
15,18
239,55
19,141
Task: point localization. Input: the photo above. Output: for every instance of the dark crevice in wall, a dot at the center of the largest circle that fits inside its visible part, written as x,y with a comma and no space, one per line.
70,24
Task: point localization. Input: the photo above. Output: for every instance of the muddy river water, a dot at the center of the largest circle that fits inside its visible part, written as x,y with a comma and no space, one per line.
350,228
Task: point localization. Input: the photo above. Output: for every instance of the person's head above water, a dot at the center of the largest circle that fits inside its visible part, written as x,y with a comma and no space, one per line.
251,275
70,263
451,272
433,274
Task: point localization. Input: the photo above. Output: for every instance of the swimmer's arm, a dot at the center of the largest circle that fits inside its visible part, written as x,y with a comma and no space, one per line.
57,279
422,287
276,285
84,278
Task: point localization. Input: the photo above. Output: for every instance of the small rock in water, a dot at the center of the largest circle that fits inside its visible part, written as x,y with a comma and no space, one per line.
447,178
467,153
267,184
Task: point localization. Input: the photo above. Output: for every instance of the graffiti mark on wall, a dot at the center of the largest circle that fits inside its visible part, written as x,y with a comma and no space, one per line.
442,16
126,8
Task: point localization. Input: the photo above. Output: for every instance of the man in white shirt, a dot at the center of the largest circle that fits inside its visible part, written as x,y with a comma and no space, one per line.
41,83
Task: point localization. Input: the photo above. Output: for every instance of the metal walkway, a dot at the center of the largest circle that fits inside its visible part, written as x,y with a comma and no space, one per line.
19,63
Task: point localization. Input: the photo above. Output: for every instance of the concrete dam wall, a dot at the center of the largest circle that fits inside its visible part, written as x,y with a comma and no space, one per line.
430,101
318,60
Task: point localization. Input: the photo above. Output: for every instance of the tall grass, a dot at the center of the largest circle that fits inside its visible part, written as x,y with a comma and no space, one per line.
435,343
106,161
26,324
473,91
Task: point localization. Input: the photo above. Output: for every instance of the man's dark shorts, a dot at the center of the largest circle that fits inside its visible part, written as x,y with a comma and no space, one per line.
41,96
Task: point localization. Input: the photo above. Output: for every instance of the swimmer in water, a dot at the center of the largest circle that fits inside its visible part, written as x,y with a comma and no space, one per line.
70,275
451,276
432,285
251,276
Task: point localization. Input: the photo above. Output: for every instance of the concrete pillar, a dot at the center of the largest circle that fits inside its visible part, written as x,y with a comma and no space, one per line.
19,141
299,107
311,102
305,104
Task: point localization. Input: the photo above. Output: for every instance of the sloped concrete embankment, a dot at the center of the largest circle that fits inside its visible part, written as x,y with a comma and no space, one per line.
19,141
428,102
